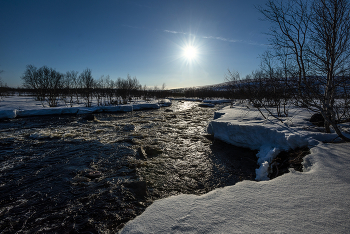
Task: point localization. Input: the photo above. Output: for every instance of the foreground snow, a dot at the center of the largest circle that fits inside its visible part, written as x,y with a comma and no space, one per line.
314,201
24,106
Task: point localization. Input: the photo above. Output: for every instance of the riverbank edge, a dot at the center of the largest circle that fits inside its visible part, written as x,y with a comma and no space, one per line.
18,113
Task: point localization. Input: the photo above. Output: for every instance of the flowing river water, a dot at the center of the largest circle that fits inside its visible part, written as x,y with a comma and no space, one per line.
66,174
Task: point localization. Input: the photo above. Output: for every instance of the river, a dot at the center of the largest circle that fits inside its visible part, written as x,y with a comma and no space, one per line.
67,174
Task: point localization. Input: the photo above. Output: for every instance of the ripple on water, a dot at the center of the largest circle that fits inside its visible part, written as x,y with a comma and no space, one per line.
63,174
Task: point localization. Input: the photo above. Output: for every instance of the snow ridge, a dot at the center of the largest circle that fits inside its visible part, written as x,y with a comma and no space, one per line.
10,111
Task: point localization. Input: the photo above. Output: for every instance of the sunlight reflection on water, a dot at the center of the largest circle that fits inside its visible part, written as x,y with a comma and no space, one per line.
52,162
186,105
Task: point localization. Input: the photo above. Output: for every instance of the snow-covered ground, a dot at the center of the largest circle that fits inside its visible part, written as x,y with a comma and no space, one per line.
314,201
24,106
246,127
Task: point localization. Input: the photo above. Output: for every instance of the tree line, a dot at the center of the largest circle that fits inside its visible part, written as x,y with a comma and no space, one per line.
308,64
50,86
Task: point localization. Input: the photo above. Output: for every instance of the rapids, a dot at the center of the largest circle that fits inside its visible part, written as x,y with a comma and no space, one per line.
65,174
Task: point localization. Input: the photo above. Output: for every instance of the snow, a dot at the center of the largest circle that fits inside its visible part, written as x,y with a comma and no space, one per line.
246,127
24,106
316,200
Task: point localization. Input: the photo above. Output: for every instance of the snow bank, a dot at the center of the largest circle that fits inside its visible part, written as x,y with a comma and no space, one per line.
245,127
316,201
7,114
23,106
145,106
164,102
313,201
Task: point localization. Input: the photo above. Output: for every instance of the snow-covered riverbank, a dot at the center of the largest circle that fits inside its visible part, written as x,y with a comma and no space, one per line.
25,106
313,201
246,127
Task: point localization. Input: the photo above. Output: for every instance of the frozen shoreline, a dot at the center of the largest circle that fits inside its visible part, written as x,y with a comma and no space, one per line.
313,201
245,127
25,106
21,106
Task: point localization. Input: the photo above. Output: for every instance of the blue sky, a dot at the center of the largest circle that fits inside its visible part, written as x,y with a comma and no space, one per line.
143,38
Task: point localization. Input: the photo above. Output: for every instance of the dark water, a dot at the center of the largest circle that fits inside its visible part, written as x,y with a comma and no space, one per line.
64,174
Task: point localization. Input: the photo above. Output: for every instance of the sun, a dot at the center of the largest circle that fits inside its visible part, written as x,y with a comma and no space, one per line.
190,52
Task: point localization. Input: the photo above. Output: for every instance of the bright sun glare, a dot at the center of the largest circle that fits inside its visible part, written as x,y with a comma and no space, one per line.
190,52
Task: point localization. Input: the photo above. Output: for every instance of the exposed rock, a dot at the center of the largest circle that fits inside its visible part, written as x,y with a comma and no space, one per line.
152,151
94,174
171,117
125,170
7,141
145,152
136,141
317,119
89,117
138,187
137,136
206,105
127,140
81,179
286,160
141,153
129,128
209,137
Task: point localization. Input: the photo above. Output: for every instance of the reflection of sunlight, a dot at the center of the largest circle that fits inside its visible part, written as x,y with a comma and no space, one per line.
186,105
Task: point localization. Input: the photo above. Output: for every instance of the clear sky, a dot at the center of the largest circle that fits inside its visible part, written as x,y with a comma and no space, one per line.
143,38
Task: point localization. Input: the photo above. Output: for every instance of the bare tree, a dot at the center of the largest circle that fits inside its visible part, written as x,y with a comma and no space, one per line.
330,50
317,36
45,82
2,92
31,81
233,79
1,71
290,27
110,89
52,84
87,84
71,86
